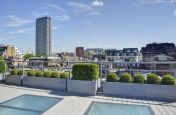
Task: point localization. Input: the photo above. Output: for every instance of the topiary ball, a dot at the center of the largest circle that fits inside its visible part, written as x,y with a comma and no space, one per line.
139,78
46,73
168,80
153,79
64,75
126,78
31,73
38,73
112,77
55,74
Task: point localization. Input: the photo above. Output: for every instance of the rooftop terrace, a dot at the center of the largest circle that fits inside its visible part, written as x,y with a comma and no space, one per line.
77,105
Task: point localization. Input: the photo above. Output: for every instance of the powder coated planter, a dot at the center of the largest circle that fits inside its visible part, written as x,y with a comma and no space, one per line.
1,77
42,82
13,79
82,87
152,91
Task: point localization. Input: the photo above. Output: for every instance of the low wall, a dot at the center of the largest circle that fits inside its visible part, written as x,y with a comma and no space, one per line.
166,92
82,87
42,82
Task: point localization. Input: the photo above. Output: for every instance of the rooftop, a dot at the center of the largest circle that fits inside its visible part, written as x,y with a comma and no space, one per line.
77,105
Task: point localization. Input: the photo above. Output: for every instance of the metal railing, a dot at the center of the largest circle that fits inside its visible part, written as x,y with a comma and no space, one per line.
104,67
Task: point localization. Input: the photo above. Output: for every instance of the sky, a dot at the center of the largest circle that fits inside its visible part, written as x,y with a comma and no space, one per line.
90,23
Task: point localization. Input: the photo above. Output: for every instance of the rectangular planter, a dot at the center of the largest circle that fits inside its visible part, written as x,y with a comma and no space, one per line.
13,79
42,82
82,87
152,91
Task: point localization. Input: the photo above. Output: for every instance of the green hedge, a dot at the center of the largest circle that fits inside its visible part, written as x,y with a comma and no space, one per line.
126,77
168,80
85,72
38,73
112,77
31,73
14,72
46,73
3,65
55,74
153,79
64,75
20,72
139,78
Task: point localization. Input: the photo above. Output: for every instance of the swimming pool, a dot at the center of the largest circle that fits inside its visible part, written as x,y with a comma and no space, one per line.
27,105
101,108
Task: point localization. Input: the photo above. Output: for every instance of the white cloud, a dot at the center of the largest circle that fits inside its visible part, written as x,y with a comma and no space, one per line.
14,21
174,12
94,13
97,3
62,17
56,7
79,7
40,14
54,28
172,2
23,31
154,1
49,10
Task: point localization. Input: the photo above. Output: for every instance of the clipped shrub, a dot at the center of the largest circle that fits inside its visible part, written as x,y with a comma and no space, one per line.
64,75
14,72
139,78
3,65
126,78
38,73
112,77
31,73
168,80
55,74
153,79
46,73
85,72
20,72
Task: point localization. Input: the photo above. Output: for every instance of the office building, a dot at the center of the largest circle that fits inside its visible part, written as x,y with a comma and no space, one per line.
159,52
80,52
7,51
125,55
43,36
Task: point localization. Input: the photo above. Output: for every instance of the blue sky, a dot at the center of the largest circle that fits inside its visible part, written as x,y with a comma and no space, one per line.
104,23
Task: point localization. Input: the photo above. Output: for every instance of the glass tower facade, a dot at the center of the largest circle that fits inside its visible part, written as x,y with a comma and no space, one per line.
43,36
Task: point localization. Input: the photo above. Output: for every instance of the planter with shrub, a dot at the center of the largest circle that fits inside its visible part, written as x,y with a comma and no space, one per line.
3,67
151,90
44,79
14,77
84,80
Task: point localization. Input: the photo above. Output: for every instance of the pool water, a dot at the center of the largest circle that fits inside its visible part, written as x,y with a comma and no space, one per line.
27,105
98,108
